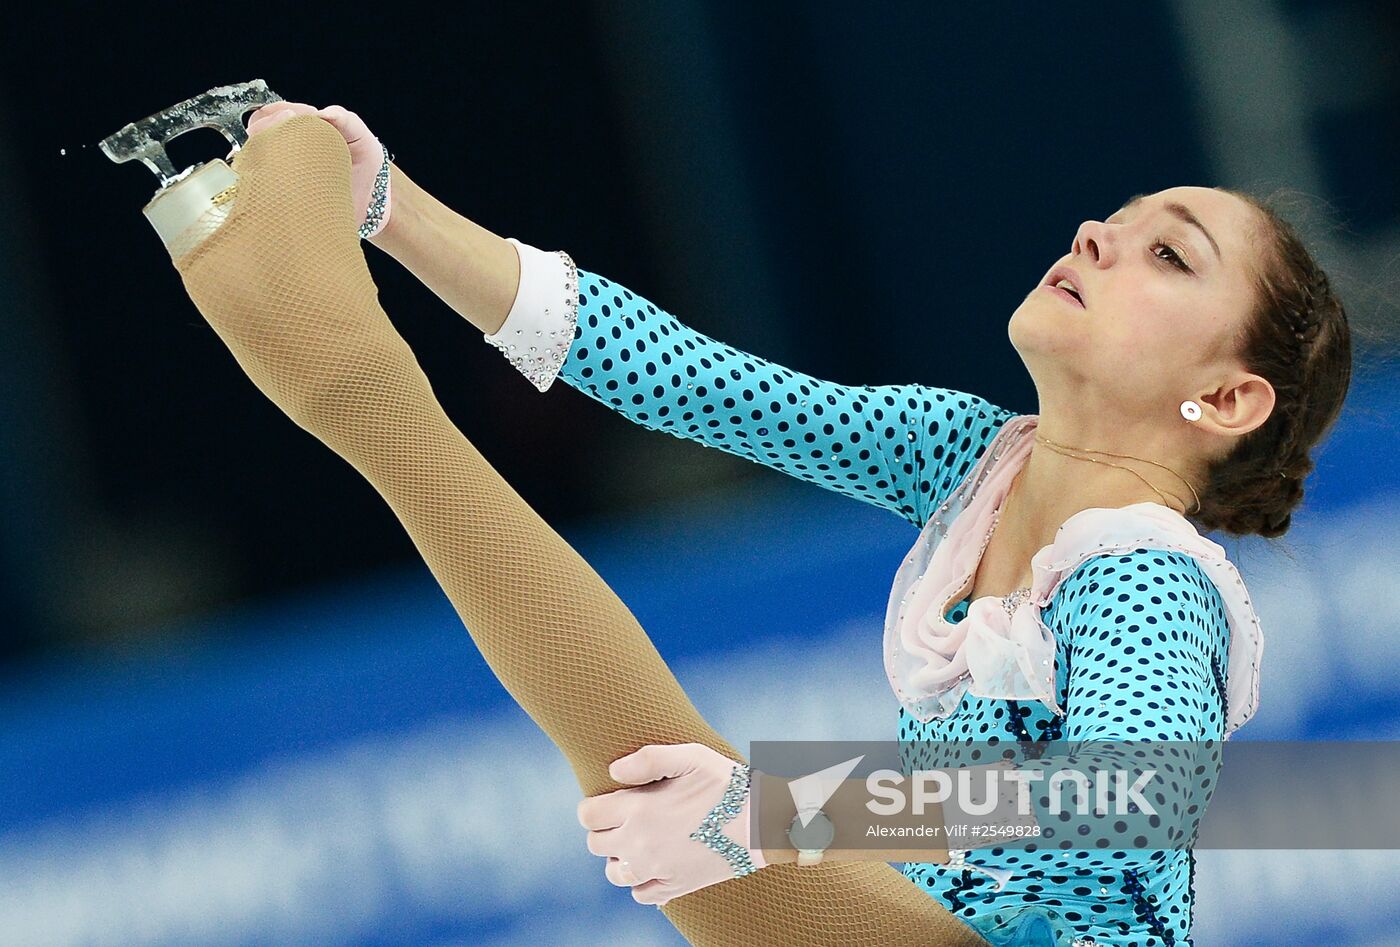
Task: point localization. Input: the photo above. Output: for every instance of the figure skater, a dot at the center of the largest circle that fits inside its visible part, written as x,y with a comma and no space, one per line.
1053,593
1188,354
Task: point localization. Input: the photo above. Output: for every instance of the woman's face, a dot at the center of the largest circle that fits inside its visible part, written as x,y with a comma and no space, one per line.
1162,301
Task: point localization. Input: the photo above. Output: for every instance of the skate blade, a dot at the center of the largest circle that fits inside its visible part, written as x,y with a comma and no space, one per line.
221,109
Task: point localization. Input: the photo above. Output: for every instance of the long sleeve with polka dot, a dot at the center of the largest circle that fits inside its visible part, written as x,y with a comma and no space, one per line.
1141,645
1148,641
900,447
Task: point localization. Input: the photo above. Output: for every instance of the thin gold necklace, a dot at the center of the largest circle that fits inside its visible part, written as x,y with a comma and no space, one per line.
1063,449
1011,601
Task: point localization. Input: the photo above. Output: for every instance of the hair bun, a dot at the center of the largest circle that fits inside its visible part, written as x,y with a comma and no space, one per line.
1297,338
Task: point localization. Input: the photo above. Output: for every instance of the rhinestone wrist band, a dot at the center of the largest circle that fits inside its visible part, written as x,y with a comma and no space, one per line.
710,834
379,200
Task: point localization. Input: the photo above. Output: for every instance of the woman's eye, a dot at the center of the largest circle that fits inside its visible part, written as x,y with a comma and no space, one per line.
1173,257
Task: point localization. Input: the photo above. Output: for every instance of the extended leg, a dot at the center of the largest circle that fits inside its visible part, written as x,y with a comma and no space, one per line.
285,284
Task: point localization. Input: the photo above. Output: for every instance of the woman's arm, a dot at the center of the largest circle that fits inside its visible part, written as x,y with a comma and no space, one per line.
1147,644
900,447
470,268
284,284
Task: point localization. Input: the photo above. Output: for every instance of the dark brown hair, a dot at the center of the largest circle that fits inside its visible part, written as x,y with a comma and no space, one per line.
1297,338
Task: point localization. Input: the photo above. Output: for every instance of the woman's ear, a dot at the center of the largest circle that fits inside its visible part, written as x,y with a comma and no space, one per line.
1237,407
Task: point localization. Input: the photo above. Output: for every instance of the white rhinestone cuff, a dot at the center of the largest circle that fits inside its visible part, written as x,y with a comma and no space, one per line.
539,330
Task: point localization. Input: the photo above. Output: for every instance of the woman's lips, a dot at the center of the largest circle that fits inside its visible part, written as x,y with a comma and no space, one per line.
1064,295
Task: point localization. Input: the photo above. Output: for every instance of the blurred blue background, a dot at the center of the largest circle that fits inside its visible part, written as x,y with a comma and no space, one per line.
235,708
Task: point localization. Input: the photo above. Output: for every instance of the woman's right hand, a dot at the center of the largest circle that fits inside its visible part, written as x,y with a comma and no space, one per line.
289,290
366,153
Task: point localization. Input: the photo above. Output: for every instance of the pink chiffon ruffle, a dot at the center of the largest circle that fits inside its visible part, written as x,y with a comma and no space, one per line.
1002,649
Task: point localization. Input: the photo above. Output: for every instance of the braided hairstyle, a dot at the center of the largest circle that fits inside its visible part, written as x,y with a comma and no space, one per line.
1298,339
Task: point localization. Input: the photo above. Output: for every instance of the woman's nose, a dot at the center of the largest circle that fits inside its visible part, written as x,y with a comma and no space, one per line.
1094,240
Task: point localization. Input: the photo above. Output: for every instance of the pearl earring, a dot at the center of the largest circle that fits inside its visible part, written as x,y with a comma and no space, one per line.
1190,410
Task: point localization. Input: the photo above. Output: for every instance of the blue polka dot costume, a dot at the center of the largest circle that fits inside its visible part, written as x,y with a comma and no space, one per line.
1141,637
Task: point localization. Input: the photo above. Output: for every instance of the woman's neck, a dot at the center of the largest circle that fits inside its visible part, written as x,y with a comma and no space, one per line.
1051,487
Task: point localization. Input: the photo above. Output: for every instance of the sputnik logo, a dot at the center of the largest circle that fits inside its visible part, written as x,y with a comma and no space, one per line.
810,793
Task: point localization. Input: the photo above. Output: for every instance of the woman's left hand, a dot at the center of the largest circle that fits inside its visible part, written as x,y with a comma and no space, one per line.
644,832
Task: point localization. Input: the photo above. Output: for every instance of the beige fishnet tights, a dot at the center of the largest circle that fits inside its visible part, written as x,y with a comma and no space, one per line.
284,283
